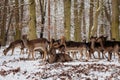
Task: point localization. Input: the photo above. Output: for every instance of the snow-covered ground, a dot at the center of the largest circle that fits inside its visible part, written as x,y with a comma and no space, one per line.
17,67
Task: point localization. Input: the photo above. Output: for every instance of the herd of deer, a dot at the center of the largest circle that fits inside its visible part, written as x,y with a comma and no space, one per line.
67,49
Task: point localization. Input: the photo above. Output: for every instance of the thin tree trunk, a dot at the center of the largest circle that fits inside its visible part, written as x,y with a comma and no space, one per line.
9,22
49,20
55,24
84,21
90,17
43,12
21,10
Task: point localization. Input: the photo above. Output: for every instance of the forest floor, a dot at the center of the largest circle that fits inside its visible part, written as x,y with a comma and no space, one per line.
18,67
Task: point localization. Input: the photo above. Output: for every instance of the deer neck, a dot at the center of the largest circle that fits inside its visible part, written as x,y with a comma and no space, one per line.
101,43
26,43
92,44
8,48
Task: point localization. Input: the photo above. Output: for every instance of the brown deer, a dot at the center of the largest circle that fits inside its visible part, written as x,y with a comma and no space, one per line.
13,45
57,57
35,44
70,47
110,46
94,46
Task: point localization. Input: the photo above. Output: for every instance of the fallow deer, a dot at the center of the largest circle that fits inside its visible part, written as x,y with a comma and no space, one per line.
35,44
110,46
79,47
94,46
57,57
13,45
67,46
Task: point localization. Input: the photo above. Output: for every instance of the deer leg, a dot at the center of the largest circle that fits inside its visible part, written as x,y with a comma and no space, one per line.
81,53
103,55
29,54
45,54
109,56
88,55
12,51
32,54
93,55
22,51
98,54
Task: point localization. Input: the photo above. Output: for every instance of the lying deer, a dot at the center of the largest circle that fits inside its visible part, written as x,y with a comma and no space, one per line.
13,45
33,45
57,57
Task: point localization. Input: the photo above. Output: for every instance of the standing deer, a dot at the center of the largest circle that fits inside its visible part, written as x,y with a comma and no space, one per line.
94,46
35,44
13,45
109,46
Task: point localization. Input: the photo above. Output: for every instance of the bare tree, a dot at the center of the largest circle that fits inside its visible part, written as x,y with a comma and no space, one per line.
43,12
48,19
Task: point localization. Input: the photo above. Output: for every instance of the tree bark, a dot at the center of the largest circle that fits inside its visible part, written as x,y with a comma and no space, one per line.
55,24
43,12
67,18
115,20
90,17
18,30
49,20
78,19
95,20
3,28
32,22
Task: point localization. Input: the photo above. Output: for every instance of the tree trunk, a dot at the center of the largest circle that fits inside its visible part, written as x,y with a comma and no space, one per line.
18,30
55,24
67,18
43,12
90,17
115,20
49,20
95,20
3,28
78,20
9,22
32,22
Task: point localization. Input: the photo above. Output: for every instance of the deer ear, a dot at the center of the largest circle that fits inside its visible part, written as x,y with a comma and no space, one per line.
91,37
24,36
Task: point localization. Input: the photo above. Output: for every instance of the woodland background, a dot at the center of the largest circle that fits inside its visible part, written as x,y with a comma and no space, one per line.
74,19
